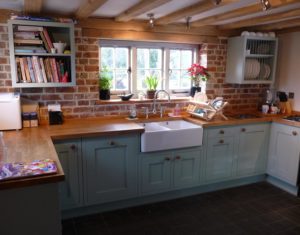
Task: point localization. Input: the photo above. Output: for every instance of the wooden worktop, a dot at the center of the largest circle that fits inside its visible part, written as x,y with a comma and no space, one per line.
31,144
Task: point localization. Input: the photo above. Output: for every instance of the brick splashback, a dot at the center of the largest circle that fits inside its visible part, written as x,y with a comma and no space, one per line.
79,101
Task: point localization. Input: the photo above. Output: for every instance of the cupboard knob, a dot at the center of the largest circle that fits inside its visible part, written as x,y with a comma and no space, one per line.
243,129
221,141
177,157
73,147
222,132
112,143
167,159
294,133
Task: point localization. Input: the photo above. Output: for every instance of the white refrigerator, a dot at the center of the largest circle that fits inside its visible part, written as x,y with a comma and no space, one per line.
10,111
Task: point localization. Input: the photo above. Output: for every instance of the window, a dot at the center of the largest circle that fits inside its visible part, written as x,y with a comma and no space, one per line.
131,62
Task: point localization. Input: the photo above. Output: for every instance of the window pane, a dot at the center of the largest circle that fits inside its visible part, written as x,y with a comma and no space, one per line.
121,81
122,58
186,59
185,81
174,79
107,57
141,85
174,59
142,58
155,58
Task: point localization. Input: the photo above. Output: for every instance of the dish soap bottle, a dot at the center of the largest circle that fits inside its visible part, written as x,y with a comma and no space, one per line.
176,111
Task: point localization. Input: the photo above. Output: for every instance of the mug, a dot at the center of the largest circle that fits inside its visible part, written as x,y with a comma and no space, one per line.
265,108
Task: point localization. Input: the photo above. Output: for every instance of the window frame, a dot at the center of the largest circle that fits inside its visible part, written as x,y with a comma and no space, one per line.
132,58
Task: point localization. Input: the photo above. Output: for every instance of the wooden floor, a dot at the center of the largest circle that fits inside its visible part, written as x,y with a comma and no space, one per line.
254,209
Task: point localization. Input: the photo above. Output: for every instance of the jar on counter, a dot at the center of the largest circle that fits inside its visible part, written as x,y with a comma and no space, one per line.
26,119
34,119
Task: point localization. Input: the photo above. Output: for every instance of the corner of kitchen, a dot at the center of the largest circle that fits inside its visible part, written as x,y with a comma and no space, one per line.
158,117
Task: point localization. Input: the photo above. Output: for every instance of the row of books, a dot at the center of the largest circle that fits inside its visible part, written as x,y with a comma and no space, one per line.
42,70
28,37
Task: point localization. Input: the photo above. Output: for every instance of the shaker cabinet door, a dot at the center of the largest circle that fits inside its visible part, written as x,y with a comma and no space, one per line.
70,190
284,150
110,168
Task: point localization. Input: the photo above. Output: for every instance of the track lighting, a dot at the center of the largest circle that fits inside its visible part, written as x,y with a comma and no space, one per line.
188,22
151,19
216,2
266,5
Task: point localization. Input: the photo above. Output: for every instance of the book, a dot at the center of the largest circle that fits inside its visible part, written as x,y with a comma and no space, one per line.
29,28
45,42
54,70
43,70
28,79
19,73
48,70
30,68
25,35
28,41
22,70
37,69
47,37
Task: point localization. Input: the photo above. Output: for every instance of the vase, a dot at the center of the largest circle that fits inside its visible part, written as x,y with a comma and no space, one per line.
194,89
150,94
104,94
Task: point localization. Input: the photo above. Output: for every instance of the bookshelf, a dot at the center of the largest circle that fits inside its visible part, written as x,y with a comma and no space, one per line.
33,63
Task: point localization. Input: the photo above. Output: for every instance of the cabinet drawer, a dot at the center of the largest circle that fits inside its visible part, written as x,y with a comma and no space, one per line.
112,141
220,132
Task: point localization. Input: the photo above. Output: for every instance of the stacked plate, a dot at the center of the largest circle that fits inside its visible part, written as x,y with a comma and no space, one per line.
252,68
265,71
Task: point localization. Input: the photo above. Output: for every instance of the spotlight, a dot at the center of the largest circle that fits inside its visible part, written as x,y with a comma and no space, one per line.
266,5
151,19
216,2
188,22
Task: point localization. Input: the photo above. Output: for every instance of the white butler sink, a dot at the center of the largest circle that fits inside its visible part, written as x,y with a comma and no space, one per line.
170,135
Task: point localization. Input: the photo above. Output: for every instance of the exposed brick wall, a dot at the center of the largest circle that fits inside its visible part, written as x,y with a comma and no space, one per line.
240,97
79,101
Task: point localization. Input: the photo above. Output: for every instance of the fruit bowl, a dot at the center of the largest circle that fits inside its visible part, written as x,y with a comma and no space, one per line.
125,97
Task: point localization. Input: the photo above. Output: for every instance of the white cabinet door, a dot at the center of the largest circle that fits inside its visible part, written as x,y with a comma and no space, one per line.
252,149
284,149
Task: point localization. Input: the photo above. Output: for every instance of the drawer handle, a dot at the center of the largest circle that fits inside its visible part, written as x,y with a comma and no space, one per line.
112,143
73,147
222,132
177,157
243,129
167,159
294,133
221,141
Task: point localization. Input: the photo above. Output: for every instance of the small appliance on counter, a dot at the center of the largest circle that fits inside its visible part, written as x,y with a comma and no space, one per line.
55,114
10,111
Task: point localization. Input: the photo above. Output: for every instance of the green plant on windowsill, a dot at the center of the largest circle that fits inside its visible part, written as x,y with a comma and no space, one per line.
105,83
151,83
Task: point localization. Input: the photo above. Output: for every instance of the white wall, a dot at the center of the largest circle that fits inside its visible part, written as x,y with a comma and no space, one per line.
288,66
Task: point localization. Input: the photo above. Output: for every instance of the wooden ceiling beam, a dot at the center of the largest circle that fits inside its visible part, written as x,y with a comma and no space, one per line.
140,8
143,26
247,10
88,7
262,19
279,25
197,8
33,6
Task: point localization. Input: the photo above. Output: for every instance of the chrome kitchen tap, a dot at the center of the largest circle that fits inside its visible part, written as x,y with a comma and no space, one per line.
155,98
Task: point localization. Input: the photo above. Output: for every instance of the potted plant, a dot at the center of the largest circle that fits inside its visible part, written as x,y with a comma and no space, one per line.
105,83
151,83
198,73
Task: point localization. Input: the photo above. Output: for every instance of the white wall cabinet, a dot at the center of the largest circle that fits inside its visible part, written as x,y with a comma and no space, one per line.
284,150
251,60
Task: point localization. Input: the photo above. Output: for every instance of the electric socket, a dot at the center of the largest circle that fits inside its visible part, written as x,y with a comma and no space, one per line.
291,95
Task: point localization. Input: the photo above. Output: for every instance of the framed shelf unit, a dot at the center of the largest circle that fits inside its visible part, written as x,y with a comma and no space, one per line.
32,62
251,60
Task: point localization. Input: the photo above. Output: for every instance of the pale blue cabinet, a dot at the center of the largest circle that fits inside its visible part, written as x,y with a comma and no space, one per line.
155,172
219,158
284,150
252,149
165,171
70,190
110,168
186,168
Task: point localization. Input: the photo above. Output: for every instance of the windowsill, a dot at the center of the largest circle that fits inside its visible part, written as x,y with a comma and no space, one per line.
134,101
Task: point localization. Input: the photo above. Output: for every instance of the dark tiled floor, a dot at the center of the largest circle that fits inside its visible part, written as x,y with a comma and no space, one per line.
254,209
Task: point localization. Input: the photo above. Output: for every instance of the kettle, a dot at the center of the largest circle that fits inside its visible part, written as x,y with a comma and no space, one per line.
60,47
